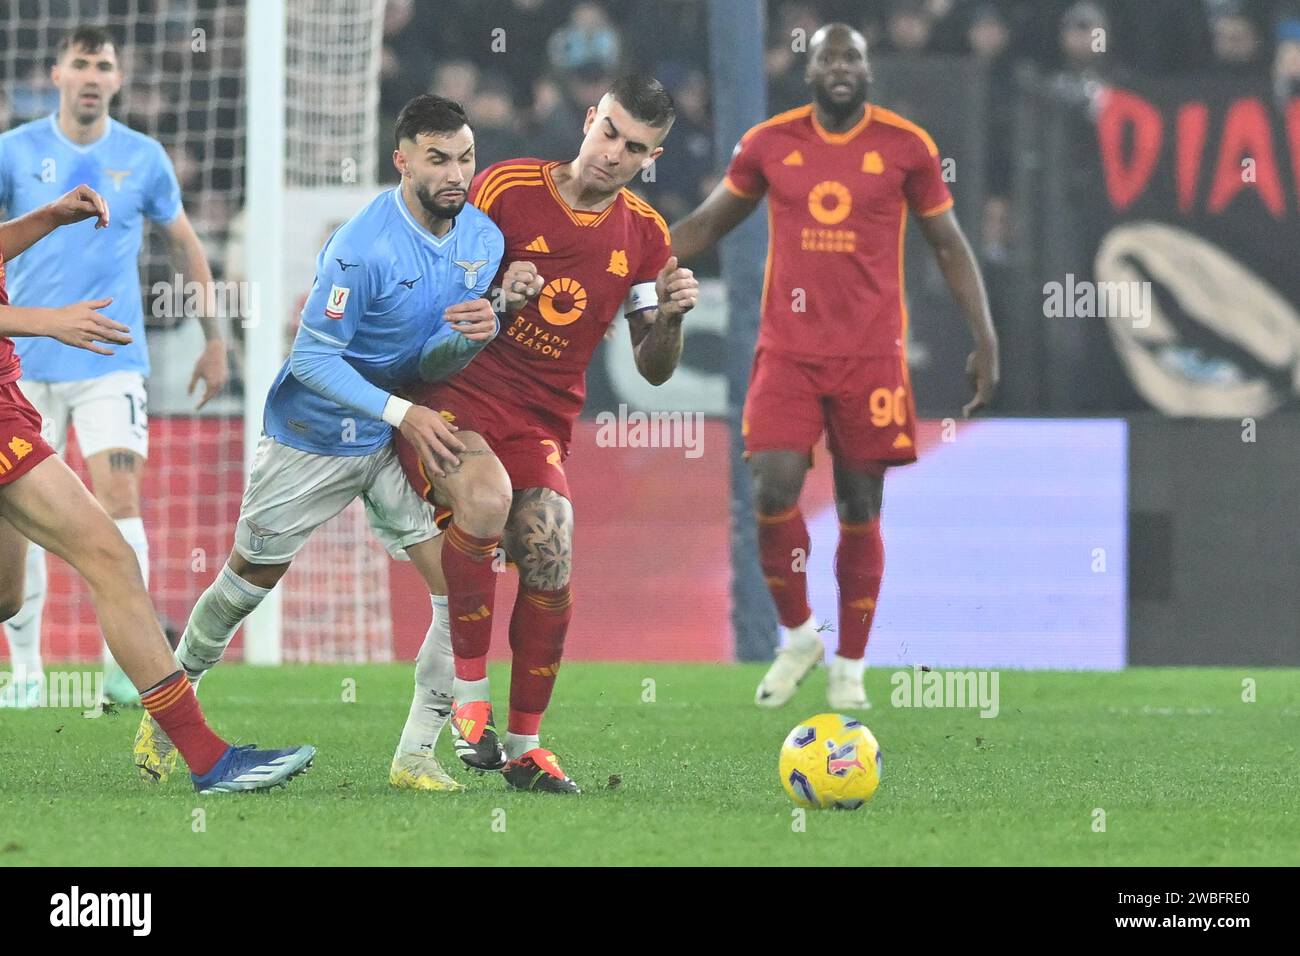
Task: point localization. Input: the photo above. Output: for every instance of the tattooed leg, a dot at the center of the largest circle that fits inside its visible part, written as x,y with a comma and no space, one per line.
115,476
539,538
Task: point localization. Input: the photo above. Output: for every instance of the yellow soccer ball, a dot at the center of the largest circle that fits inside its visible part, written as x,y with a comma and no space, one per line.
830,761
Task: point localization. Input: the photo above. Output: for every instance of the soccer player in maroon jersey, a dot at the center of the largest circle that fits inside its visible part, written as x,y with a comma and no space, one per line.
593,246
840,175
41,500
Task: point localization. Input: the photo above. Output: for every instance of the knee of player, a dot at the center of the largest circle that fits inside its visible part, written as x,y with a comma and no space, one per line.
104,554
859,509
10,605
265,576
773,496
482,510
120,502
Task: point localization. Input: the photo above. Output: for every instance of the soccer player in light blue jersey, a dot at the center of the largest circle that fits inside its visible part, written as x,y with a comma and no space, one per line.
103,396
398,298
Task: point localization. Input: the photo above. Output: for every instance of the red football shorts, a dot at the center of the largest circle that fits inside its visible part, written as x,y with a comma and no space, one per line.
864,404
532,451
21,446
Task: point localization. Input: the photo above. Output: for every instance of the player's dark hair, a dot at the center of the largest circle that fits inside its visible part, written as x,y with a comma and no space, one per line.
428,113
645,98
90,39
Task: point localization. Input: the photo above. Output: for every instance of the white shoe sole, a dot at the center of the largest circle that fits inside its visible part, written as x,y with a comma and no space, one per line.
773,699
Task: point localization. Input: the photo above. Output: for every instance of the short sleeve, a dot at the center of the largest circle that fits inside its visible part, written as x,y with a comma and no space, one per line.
656,250
744,173
163,197
927,194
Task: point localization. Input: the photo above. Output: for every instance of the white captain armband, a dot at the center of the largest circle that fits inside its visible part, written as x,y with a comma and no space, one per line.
641,296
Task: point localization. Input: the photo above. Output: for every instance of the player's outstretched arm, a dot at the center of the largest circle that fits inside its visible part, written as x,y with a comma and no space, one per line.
79,325
657,333
962,273
722,212
212,367
19,235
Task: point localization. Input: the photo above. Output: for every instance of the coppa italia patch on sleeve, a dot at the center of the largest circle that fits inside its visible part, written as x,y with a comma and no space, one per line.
337,302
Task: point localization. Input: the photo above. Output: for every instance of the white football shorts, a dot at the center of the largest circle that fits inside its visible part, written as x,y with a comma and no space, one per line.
291,493
111,411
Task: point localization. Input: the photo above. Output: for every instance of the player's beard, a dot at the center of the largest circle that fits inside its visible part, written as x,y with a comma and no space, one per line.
435,208
841,111
89,113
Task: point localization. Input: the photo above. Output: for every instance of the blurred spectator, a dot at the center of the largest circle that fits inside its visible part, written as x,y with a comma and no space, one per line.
1087,63
589,39
909,27
526,23
455,79
666,35
498,134
402,45
684,174
988,35
1083,38
559,109
1286,61
1237,40
988,38
794,26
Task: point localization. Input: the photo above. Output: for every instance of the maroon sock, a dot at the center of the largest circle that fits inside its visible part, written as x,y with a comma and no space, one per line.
471,594
783,545
859,566
537,629
172,703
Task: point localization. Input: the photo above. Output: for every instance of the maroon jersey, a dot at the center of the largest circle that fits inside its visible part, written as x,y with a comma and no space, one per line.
838,205
594,265
10,367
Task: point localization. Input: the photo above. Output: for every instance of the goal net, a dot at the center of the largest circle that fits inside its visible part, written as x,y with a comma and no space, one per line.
187,82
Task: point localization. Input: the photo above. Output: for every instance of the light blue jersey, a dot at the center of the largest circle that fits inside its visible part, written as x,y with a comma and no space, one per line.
38,164
373,322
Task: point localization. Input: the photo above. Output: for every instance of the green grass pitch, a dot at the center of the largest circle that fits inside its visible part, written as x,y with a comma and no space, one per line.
1186,772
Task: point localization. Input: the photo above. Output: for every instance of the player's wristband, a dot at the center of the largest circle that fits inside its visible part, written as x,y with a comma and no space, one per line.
395,410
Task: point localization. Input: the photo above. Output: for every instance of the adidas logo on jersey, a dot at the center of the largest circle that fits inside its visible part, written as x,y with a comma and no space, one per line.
794,159
538,245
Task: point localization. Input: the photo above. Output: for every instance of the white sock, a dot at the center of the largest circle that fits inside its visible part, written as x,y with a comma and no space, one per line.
805,634
467,691
519,744
435,671
24,628
215,618
849,666
133,531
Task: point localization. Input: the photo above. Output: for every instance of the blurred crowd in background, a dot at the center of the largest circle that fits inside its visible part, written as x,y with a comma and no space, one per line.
526,71
560,55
